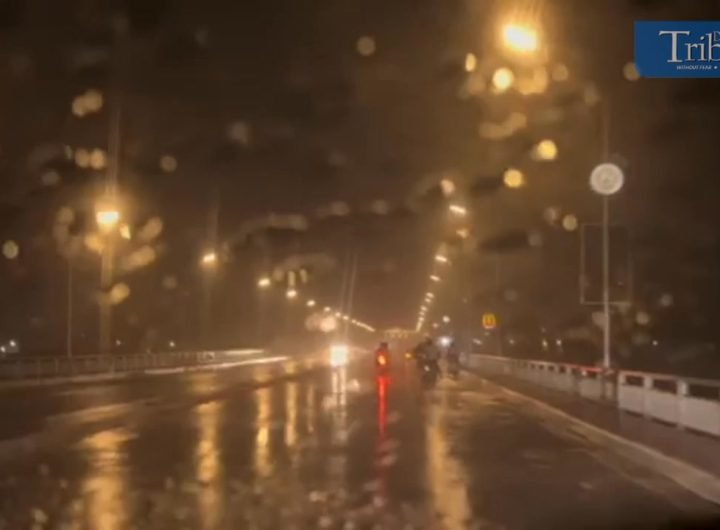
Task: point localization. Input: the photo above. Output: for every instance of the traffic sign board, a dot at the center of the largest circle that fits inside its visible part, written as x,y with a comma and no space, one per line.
489,321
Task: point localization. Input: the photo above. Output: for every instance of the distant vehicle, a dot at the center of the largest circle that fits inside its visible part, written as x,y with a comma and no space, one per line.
382,356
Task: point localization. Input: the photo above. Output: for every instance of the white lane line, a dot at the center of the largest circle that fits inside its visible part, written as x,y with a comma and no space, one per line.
704,484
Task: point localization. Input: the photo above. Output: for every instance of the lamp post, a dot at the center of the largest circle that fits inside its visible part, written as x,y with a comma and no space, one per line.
107,217
209,264
606,180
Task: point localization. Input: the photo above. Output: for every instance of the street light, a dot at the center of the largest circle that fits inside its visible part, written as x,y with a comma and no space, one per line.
107,218
441,259
435,278
310,303
291,294
209,259
520,38
264,282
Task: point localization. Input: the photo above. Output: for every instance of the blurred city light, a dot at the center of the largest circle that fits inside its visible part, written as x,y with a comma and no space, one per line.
447,186
470,62
446,319
107,218
264,283
545,150
520,38
291,294
458,210
311,303
125,231
441,259
10,249
435,278
570,223
502,79
514,178
209,259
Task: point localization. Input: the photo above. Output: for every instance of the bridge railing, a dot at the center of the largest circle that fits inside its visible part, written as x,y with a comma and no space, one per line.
26,367
685,402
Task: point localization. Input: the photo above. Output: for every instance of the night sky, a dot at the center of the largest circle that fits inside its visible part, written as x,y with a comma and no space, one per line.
232,111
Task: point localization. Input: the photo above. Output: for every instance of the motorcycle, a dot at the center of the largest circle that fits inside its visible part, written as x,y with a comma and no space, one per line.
453,367
382,360
430,373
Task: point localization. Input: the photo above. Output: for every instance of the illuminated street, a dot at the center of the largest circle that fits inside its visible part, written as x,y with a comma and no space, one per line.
257,447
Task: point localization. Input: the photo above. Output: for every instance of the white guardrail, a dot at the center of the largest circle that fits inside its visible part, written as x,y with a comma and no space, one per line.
19,367
682,401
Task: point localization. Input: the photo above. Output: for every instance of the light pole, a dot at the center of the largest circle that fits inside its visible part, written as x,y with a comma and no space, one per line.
107,217
606,180
208,263
69,323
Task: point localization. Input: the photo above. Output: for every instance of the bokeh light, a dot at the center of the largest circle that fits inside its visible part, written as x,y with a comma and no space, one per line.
366,46
10,249
514,178
545,150
502,79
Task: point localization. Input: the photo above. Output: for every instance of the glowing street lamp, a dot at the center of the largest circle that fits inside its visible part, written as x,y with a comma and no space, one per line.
310,303
435,278
291,294
264,282
520,38
209,259
107,218
441,259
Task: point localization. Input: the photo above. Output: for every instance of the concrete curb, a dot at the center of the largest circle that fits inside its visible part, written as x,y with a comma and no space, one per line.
704,484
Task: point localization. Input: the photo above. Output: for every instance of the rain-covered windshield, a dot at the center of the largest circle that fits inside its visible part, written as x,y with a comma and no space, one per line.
441,264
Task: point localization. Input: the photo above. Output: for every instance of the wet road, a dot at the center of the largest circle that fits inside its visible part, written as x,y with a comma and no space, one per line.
272,447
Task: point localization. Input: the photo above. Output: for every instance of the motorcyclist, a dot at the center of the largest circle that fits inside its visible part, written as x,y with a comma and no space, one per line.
429,354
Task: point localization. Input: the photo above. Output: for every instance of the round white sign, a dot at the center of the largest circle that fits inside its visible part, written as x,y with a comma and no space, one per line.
607,179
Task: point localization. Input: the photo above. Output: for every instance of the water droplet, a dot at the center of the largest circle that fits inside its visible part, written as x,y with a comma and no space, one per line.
630,72
168,163
10,249
366,46
570,223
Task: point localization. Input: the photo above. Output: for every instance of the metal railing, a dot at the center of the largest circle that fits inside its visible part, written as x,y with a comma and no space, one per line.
681,401
50,367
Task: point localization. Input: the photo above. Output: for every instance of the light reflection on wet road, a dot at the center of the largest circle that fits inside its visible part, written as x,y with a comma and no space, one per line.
326,449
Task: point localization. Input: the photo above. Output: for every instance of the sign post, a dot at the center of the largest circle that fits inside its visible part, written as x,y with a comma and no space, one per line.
606,180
